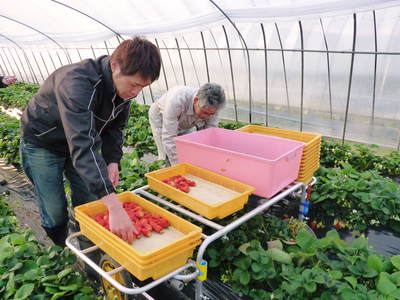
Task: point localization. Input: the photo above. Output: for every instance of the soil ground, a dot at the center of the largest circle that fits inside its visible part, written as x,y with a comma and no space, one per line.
22,200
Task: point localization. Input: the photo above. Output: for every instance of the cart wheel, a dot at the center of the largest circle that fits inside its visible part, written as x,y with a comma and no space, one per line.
123,277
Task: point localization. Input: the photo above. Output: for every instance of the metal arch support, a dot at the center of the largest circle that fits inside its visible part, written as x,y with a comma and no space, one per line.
4,63
284,65
247,51
180,59
375,65
151,93
16,65
170,61
302,76
30,68
162,66
94,54
9,63
231,69
59,58
350,77
40,71
52,61
34,79
205,56
292,50
40,32
398,145
219,52
79,54
90,17
2,70
266,74
44,63
191,58
144,98
108,52
329,67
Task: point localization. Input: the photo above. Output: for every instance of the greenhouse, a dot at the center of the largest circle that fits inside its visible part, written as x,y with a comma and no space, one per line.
200,149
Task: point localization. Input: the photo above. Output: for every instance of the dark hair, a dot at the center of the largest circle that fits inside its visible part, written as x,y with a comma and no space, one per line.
212,95
138,55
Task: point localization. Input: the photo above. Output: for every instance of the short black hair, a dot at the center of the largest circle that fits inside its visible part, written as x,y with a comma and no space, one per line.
138,55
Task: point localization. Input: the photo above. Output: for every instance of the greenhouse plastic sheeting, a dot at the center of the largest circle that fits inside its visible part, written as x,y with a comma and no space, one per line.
75,22
282,63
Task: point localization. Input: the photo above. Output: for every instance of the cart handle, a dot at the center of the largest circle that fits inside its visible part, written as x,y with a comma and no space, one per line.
130,291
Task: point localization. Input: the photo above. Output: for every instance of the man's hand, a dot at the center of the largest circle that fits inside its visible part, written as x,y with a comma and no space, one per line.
113,173
7,80
120,223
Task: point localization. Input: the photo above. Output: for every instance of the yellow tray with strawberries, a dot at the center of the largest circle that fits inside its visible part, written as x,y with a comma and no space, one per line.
152,256
207,193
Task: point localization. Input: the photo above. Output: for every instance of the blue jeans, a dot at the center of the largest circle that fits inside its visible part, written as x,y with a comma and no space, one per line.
46,171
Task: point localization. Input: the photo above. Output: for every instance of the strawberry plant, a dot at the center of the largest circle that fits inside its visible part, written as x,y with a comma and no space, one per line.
9,139
29,271
357,199
17,95
360,157
326,268
138,132
231,125
133,170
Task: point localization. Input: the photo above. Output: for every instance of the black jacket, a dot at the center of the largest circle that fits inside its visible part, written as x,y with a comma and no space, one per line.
77,113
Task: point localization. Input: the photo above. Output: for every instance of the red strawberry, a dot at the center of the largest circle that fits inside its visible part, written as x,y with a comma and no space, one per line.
155,226
338,226
313,224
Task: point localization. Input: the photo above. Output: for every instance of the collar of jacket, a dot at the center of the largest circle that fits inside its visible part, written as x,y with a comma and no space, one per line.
108,81
190,110
108,84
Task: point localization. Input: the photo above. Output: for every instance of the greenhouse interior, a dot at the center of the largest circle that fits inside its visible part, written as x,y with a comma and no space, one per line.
200,149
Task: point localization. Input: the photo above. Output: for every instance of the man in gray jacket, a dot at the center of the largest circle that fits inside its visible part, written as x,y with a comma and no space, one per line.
73,127
182,110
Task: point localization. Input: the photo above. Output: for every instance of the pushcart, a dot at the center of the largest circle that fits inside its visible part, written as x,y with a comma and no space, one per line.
112,275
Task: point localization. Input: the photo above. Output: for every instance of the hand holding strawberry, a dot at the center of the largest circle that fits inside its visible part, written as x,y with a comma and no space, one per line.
119,221
142,221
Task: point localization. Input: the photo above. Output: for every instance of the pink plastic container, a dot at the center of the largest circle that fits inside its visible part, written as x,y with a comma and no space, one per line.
266,162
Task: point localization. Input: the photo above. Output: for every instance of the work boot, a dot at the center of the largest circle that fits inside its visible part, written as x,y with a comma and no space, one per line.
58,234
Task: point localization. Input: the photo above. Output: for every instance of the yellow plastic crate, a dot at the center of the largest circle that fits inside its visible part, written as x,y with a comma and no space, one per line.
311,151
306,179
142,265
207,210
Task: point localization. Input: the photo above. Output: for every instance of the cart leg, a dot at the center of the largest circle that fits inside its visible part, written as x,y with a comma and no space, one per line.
304,204
84,243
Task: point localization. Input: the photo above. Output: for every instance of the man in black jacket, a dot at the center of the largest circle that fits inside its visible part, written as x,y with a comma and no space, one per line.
73,127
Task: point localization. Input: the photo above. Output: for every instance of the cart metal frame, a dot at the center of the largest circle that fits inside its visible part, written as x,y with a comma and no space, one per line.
198,267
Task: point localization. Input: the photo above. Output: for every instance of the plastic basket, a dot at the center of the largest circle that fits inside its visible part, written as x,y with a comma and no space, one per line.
154,263
268,163
207,210
311,152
